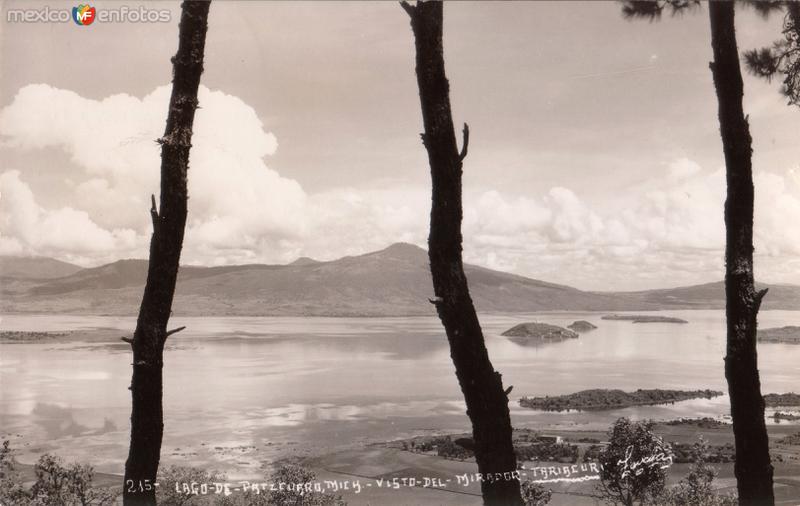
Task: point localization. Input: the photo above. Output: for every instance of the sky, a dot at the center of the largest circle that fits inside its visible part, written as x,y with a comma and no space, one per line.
595,158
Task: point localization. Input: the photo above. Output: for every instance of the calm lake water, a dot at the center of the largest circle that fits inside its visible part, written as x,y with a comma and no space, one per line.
239,388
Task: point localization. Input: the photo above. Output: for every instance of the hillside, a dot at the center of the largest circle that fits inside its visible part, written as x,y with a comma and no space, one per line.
712,296
392,282
35,268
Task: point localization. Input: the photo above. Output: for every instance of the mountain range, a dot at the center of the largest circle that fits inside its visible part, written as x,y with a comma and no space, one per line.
391,282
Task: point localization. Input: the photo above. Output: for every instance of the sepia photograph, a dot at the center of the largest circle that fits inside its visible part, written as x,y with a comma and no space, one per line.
418,252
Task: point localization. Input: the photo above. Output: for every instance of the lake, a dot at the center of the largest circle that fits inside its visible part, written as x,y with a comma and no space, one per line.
239,390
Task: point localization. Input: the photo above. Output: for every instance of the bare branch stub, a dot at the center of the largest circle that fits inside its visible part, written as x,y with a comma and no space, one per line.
173,331
760,297
408,8
153,210
465,144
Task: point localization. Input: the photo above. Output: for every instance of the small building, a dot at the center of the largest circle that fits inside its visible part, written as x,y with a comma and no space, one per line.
551,439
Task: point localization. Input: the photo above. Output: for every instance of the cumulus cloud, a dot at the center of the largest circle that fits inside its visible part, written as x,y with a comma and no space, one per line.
669,231
27,228
683,213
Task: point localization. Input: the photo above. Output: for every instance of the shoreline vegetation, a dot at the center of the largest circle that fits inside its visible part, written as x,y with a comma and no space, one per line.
599,399
97,335
29,336
633,318
701,423
786,400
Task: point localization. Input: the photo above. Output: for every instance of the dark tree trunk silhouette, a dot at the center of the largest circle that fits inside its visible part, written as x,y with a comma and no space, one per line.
753,469
147,423
482,386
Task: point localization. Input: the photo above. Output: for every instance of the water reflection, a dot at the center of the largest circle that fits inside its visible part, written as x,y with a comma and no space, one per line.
360,377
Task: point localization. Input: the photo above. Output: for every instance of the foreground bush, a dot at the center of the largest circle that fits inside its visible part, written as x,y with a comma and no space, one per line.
534,494
633,464
695,489
55,485
11,491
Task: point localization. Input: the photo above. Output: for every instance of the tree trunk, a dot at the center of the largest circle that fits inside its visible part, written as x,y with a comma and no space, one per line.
753,469
147,423
482,386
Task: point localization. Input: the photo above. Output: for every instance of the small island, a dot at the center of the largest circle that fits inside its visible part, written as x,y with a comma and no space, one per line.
787,335
97,335
778,416
528,446
581,326
20,336
638,318
532,333
784,400
700,423
603,399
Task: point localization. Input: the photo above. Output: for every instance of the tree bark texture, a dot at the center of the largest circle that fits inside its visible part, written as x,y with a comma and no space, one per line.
753,469
147,424
482,386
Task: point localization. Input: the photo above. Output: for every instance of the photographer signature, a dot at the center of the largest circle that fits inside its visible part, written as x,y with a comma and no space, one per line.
662,460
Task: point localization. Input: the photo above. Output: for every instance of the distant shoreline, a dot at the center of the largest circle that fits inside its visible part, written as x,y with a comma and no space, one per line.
179,315
602,399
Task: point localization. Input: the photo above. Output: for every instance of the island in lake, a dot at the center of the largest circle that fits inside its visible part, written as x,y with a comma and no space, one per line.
785,400
699,423
603,399
26,336
532,333
581,326
788,335
638,318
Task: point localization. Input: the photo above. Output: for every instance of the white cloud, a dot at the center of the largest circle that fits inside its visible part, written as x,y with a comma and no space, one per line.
573,221
683,168
234,196
683,213
27,228
669,231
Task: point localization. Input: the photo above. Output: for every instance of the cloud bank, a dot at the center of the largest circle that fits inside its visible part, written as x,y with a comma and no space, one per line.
93,207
